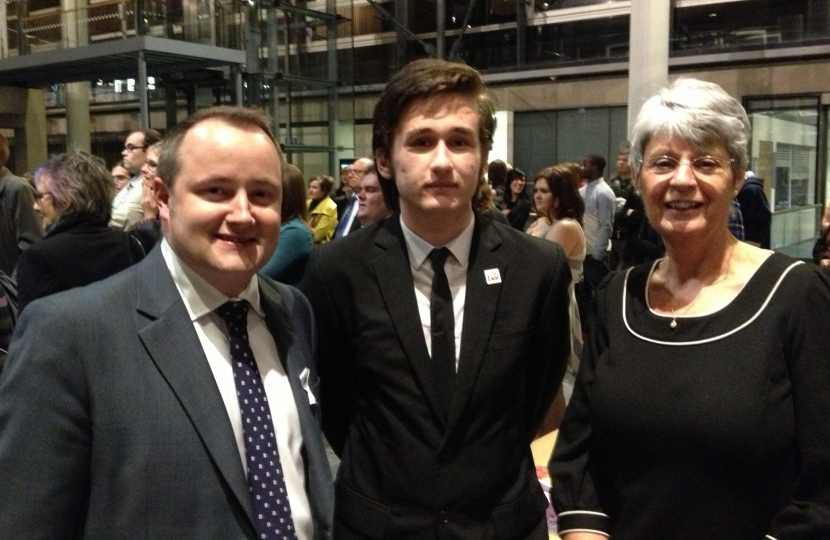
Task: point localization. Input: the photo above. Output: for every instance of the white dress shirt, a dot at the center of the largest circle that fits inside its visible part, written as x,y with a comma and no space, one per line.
456,269
201,300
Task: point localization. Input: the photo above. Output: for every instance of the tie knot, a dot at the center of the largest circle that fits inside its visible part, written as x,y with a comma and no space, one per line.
438,257
235,313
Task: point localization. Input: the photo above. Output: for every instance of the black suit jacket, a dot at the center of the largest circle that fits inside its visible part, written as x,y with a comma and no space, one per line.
404,474
112,426
78,250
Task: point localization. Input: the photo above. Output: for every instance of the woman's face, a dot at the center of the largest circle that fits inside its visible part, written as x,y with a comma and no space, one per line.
315,193
150,166
542,196
686,189
45,205
517,185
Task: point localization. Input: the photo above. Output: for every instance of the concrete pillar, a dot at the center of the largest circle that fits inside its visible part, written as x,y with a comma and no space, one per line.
648,64
76,34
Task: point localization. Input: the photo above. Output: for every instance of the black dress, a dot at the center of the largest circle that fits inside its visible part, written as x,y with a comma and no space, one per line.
78,250
716,429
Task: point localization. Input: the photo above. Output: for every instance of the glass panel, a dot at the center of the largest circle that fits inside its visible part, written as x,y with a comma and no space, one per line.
783,151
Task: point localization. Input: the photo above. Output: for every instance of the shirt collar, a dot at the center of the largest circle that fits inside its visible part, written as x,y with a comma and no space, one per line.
200,297
419,249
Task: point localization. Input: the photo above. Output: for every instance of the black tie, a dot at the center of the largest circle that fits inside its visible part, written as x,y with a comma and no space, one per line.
442,325
265,479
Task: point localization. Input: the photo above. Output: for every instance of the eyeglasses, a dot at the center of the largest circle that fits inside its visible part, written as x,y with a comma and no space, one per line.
151,165
703,166
132,148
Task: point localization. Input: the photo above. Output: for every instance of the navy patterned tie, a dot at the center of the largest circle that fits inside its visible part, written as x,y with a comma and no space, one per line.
265,480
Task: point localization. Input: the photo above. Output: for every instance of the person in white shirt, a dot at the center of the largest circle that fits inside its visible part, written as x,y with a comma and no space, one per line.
126,206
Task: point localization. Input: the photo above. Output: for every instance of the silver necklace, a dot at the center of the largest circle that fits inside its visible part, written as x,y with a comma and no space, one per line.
673,323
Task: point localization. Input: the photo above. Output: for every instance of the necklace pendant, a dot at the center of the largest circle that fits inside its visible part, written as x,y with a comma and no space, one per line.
673,324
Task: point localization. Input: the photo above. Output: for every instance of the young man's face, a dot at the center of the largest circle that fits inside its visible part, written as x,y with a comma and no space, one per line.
134,152
437,157
222,215
372,207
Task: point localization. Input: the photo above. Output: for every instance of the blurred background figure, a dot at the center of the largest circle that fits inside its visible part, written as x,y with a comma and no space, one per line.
20,226
148,229
372,207
700,409
347,220
287,264
756,211
560,209
484,202
321,208
74,197
497,177
120,177
517,202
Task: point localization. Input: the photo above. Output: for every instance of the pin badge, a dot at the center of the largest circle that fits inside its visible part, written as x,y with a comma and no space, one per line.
492,276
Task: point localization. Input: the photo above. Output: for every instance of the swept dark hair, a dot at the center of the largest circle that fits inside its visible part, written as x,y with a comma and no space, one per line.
563,184
421,79
169,164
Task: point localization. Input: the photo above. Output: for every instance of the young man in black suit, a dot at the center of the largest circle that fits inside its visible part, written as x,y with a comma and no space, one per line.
437,365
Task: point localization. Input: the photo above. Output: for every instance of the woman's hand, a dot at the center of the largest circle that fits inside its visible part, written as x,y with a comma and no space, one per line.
148,202
583,536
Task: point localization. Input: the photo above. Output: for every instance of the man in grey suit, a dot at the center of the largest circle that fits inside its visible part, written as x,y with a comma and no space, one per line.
443,336
122,414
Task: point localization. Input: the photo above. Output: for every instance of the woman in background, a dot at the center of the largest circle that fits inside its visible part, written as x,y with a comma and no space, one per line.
517,203
288,262
701,405
148,229
560,209
322,209
74,199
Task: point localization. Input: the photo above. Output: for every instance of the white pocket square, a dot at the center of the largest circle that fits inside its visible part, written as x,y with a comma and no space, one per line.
304,374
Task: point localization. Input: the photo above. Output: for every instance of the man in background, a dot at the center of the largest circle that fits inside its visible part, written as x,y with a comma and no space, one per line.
20,225
126,206
372,207
348,220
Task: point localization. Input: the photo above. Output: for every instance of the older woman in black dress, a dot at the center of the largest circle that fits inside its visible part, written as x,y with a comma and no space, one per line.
74,194
701,407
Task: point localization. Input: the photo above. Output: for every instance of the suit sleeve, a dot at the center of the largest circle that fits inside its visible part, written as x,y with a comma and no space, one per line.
807,516
332,356
29,228
45,430
574,494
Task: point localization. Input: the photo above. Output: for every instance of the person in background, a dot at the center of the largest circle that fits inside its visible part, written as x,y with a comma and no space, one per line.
373,206
517,203
629,207
343,193
736,221
347,220
484,202
497,177
756,212
701,404
74,197
148,229
560,209
20,226
126,205
287,264
321,208
120,177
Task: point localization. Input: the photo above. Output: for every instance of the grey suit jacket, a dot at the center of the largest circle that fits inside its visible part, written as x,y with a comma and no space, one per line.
112,426
406,474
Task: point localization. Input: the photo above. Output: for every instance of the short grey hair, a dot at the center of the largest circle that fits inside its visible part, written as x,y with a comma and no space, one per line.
79,184
700,112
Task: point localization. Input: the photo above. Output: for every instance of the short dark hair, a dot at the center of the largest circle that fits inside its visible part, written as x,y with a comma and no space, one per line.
598,161
151,136
563,183
326,183
497,173
79,184
293,194
169,164
421,79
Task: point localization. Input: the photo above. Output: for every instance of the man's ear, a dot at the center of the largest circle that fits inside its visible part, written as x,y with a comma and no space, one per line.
384,165
162,194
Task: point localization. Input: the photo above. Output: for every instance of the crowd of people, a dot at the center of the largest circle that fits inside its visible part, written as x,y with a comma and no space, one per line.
197,323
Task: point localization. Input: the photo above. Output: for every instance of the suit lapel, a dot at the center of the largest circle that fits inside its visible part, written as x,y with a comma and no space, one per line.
174,347
480,305
398,291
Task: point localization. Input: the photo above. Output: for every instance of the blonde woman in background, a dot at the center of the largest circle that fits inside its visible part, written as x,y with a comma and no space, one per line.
321,208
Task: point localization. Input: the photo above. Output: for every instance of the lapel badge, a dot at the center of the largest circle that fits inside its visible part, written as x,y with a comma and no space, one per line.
492,276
